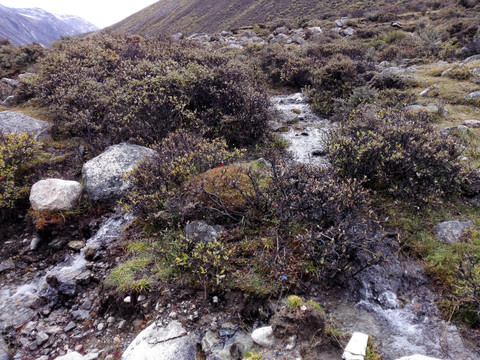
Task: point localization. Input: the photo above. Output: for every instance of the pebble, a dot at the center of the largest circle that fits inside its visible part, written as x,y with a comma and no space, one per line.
122,324
111,320
117,340
141,298
173,315
100,326
70,326
42,338
87,304
127,300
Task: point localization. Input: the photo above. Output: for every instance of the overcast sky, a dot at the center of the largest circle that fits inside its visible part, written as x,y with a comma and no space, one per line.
99,12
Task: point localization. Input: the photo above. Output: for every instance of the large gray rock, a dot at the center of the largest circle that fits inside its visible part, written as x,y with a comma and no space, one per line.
472,123
14,122
451,231
103,175
55,194
200,231
162,343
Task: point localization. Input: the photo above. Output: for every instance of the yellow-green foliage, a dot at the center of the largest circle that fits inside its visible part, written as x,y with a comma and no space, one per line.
129,275
294,302
15,151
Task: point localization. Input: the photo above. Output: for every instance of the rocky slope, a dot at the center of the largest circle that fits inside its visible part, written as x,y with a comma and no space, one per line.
210,16
24,26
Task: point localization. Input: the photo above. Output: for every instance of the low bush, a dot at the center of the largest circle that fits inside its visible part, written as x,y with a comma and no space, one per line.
397,155
109,89
16,59
388,80
14,150
336,80
178,158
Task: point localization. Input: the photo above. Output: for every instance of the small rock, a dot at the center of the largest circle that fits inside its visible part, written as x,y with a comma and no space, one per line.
451,231
127,300
178,36
356,347
264,337
80,315
341,22
35,243
173,315
141,298
473,96
7,265
396,25
472,123
122,324
76,244
87,304
100,326
116,340
70,326
200,231
111,320
13,83
42,338
349,31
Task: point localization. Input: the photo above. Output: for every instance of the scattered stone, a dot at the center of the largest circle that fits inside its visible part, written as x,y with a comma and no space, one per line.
451,231
470,59
396,25
472,123
55,194
200,231
7,265
357,347
122,324
349,31
42,338
111,320
141,298
178,36
173,315
417,357
127,300
13,83
341,22
264,337
162,343
17,123
35,243
100,326
71,356
70,326
473,96
81,315
76,244
103,175
281,30
87,304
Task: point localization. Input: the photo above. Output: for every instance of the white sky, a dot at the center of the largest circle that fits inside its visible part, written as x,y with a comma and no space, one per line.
99,12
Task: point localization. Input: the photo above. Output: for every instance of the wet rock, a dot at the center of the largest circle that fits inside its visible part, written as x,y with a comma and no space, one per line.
209,341
264,337
357,347
55,194
451,231
71,356
200,231
162,343
7,265
472,123
3,350
103,175
17,123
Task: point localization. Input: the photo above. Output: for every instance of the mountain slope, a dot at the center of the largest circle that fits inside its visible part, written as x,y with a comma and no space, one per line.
188,16
24,26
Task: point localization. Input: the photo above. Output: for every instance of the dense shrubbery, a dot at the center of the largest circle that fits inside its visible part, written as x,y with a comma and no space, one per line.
15,59
112,88
396,154
14,150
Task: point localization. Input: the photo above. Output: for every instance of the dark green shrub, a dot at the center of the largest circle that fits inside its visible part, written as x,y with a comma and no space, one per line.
396,155
360,96
109,89
336,80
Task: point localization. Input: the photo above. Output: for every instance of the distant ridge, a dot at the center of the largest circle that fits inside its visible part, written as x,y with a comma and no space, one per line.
24,26
189,16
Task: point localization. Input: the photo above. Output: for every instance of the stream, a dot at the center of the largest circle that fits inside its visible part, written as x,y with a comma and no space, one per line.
392,301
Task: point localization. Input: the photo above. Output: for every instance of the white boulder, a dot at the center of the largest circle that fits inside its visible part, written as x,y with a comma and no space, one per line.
55,194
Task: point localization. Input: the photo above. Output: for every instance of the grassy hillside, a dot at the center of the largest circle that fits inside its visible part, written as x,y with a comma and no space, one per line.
189,16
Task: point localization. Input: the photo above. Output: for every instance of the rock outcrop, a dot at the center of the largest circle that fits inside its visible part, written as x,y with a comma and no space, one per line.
16,123
103,176
451,231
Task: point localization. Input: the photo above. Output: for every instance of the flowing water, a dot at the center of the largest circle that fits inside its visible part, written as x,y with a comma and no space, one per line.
20,303
391,302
